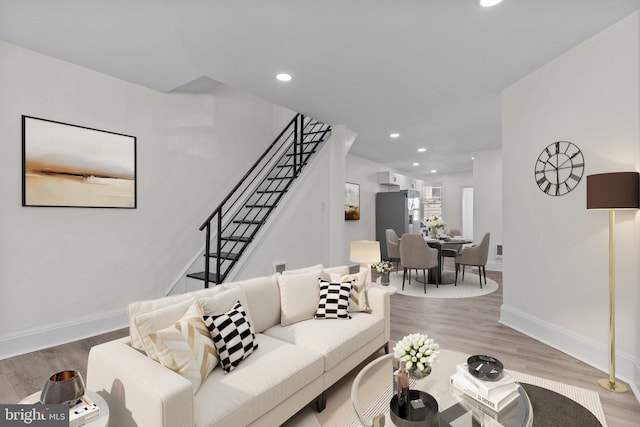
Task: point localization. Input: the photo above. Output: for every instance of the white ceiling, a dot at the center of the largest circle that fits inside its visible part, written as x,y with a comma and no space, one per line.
431,70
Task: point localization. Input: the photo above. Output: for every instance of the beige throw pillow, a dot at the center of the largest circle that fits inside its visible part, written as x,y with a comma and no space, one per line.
299,296
358,297
186,347
154,320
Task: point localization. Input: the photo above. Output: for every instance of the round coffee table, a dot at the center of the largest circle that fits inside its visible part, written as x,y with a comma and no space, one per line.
371,393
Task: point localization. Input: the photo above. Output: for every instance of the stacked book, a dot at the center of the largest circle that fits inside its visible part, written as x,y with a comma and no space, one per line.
83,412
496,395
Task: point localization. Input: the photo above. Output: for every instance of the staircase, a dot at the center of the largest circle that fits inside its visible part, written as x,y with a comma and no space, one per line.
239,217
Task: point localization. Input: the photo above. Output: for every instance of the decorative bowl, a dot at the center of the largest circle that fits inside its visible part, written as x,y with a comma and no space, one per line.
485,367
65,387
431,414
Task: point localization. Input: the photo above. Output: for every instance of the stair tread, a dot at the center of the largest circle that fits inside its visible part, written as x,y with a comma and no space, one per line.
247,221
259,206
225,255
200,276
270,191
244,239
303,153
279,178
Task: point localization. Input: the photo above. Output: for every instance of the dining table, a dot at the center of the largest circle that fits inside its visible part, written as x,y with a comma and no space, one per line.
435,275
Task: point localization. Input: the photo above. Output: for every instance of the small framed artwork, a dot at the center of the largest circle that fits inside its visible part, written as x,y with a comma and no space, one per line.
65,165
351,201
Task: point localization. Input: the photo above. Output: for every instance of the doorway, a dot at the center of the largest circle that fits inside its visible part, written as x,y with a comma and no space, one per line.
467,213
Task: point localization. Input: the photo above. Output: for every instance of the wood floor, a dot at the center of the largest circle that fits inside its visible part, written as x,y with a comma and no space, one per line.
468,325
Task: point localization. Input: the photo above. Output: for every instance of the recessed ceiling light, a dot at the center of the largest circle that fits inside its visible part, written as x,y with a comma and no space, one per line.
416,164
421,150
434,171
284,77
489,3
394,135
473,158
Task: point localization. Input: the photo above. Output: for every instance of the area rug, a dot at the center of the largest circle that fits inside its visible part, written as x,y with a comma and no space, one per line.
467,288
554,404
572,406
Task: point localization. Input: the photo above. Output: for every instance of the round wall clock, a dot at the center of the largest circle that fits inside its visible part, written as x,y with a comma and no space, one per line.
559,168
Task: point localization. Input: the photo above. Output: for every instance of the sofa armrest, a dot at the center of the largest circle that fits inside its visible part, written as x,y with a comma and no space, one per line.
139,391
380,303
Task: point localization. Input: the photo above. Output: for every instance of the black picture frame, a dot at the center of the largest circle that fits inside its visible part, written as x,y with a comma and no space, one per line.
351,201
66,165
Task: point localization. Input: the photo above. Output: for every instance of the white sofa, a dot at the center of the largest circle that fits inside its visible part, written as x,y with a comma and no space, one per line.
294,364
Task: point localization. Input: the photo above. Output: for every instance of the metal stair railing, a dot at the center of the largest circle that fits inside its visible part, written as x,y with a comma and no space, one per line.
260,189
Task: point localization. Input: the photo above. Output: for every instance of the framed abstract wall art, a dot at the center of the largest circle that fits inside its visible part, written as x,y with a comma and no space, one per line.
65,165
351,201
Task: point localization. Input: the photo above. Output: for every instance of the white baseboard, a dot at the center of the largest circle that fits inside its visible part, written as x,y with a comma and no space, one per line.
39,338
582,348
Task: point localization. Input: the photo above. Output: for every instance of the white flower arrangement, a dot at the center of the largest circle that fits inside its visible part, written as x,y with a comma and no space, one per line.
434,221
418,351
382,266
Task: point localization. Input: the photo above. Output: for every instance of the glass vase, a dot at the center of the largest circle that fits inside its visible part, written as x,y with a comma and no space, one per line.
418,374
384,278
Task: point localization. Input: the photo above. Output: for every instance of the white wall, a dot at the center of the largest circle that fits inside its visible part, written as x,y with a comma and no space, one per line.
70,272
556,256
487,201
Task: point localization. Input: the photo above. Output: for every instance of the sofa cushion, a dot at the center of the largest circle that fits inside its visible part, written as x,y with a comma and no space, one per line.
299,296
335,339
340,270
263,300
220,303
358,296
232,335
311,269
273,373
334,300
186,347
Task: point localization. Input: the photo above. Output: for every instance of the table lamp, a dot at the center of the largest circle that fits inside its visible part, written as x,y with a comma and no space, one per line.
365,252
612,191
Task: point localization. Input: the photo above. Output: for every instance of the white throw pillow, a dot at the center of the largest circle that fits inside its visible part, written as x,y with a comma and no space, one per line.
186,347
358,297
299,296
334,300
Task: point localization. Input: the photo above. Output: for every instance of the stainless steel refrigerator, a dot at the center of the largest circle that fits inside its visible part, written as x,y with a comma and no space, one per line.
399,210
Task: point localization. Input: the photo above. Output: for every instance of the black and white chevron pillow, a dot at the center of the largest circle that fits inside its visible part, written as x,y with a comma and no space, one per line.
334,300
232,335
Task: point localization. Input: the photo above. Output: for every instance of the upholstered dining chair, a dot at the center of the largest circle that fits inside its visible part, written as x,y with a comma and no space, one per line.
393,246
451,250
475,256
416,254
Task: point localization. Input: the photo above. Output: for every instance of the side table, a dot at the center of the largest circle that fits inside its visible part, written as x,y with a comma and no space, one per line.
102,421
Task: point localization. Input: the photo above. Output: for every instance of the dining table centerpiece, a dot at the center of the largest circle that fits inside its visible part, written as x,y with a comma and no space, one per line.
434,223
419,353
384,268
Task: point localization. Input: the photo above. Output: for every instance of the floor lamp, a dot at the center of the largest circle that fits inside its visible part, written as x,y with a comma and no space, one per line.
612,191
365,253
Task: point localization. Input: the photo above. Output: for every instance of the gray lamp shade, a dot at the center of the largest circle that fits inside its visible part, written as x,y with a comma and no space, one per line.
617,190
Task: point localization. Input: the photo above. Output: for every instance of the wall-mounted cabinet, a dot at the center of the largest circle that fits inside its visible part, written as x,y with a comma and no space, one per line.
390,178
403,182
